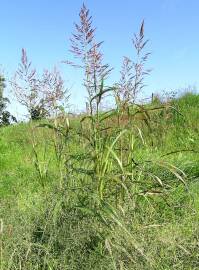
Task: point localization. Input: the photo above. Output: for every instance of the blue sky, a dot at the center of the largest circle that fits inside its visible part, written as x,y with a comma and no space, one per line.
44,27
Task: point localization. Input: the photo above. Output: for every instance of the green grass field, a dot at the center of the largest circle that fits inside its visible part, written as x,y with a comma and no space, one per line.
126,199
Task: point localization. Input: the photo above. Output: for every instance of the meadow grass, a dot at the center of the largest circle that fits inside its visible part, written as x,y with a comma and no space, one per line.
82,195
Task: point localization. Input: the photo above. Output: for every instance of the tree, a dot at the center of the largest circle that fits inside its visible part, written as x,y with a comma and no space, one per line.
5,116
